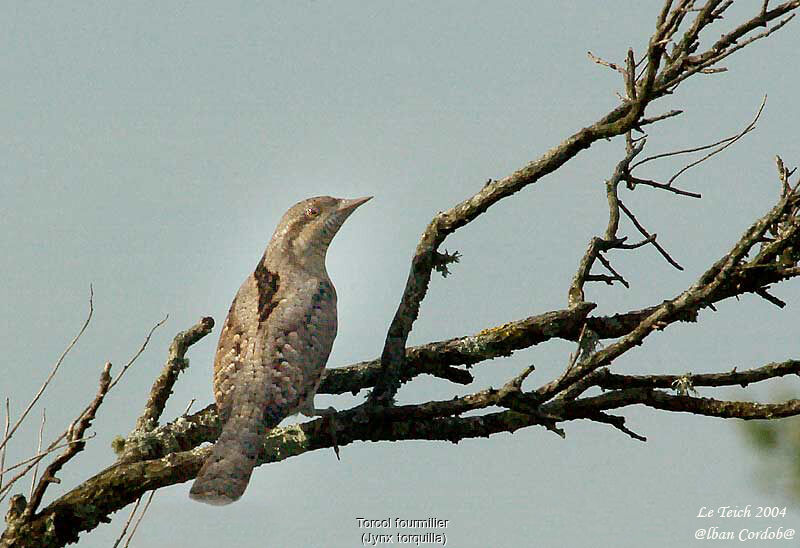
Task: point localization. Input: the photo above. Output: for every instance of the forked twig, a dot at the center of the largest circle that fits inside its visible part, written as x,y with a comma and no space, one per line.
650,237
726,142
74,434
744,132
39,456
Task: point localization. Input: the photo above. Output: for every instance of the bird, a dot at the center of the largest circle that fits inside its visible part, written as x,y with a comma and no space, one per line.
274,344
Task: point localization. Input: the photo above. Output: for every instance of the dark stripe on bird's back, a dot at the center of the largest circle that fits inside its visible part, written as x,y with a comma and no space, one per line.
267,285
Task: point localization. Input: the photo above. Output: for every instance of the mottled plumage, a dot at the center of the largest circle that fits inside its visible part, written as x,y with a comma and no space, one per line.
274,343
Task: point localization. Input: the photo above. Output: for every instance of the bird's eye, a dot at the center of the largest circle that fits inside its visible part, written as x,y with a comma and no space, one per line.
312,211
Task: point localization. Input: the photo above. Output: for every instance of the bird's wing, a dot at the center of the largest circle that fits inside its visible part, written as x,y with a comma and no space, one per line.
302,339
241,343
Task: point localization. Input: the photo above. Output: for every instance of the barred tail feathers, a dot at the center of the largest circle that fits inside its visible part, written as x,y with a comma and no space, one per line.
226,473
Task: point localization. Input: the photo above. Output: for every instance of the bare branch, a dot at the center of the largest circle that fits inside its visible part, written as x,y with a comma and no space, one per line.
681,151
650,86
39,456
430,421
564,324
691,300
490,343
75,437
767,296
599,61
612,381
52,372
617,122
610,239
38,450
735,138
138,352
5,437
162,387
654,119
685,404
127,523
139,520
617,422
696,64
189,406
616,276
634,181
651,237
142,468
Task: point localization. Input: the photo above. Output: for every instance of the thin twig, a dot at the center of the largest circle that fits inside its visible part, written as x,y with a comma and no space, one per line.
5,436
716,70
138,353
587,343
654,119
767,296
75,433
616,275
39,456
29,463
127,523
139,519
682,151
600,61
717,14
617,122
38,450
5,489
650,237
725,51
605,278
638,244
53,371
634,181
696,297
618,423
735,138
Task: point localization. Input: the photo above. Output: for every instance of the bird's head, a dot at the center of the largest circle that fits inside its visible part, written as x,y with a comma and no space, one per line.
307,229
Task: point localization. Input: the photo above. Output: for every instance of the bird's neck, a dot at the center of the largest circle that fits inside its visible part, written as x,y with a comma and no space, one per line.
295,259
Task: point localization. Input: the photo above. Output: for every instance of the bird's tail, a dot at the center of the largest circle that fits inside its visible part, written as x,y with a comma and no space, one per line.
226,473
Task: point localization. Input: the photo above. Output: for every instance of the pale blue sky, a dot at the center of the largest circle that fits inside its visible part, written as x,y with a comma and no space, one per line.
150,149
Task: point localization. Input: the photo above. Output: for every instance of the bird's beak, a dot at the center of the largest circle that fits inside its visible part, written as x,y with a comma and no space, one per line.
350,205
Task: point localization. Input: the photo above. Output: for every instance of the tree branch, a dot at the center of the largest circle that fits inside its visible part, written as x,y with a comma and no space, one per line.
75,437
162,387
156,456
53,372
